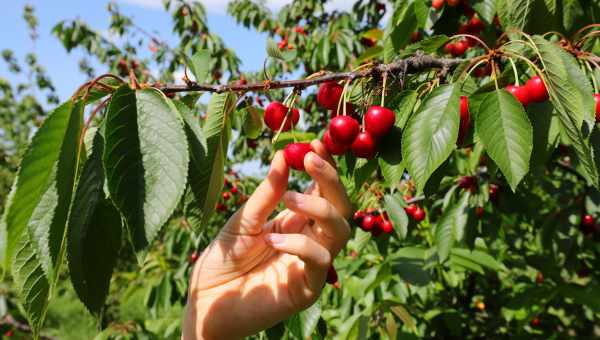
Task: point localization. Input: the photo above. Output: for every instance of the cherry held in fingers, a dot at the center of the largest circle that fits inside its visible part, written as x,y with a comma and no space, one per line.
343,129
275,115
364,146
329,95
294,154
332,147
379,121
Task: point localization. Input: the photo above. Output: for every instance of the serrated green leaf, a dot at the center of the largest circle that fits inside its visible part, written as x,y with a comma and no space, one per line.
505,131
428,45
453,218
207,163
431,133
252,122
403,20
146,160
397,215
544,121
303,324
94,234
274,51
570,91
479,257
514,13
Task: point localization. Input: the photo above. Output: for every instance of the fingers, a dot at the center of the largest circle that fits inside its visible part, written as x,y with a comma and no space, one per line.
332,228
319,148
316,258
251,217
328,182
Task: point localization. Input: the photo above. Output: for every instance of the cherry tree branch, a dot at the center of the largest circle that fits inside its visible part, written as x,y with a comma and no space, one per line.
416,63
22,327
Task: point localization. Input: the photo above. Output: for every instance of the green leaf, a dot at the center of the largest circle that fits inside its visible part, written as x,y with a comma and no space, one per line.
430,135
545,132
428,45
48,153
31,283
286,138
403,20
514,13
146,160
479,257
253,122
199,64
303,324
503,127
275,52
94,234
486,9
452,219
207,164
397,215
570,91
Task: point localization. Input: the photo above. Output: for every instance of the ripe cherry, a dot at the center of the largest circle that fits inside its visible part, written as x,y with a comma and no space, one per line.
282,44
476,25
483,71
221,207
467,182
234,190
368,42
387,227
537,90
275,115
332,147
368,222
437,4
460,48
329,95
493,191
539,278
449,48
377,230
535,322
358,217
587,220
226,195
364,146
415,36
597,100
294,154
194,257
520,92
419,214
410,210
465,119
479,211
344,129
379,121
332,276
453,3
300,30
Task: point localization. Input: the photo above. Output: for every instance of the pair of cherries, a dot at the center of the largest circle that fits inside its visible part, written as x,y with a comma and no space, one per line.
344,131
534,91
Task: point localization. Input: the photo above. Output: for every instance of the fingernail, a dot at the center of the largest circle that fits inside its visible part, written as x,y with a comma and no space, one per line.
317,161
294,198
274,238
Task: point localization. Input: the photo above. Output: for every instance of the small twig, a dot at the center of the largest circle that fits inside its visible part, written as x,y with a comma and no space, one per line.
20,326
412,64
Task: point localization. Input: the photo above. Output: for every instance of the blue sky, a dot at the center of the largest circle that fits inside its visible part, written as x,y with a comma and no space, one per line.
62,66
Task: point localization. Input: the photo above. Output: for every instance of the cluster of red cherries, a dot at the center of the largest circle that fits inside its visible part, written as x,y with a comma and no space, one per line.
374,221
344,132
231,194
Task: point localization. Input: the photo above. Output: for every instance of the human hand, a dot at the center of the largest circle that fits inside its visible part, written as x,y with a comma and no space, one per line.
258,272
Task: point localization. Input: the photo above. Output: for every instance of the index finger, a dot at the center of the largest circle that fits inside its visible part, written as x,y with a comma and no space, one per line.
251,217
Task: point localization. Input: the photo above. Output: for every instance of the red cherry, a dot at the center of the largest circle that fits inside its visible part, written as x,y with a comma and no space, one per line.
437,4
332,147
520,92
300,30
539,278
282,44
343,129
465,119
476,25
535,322
358,217
479,211
460,48
463,29
364,146
194,257
493,192
368,42
387,227
537,90
368,222
453,3
329,95
294,154
379,121
419,214
226,195
415,36
221,207
275,114
597,100
377,230
410,210
467,182
332,276
449,48
483,71
234,190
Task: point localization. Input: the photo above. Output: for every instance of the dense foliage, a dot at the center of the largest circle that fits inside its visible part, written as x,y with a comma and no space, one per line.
476,195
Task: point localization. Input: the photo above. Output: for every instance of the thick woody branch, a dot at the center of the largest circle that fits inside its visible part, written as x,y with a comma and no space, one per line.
416,63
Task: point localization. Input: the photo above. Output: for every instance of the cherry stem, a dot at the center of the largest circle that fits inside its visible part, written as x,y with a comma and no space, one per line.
383,89
514,67
487,48
587,64
585,28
